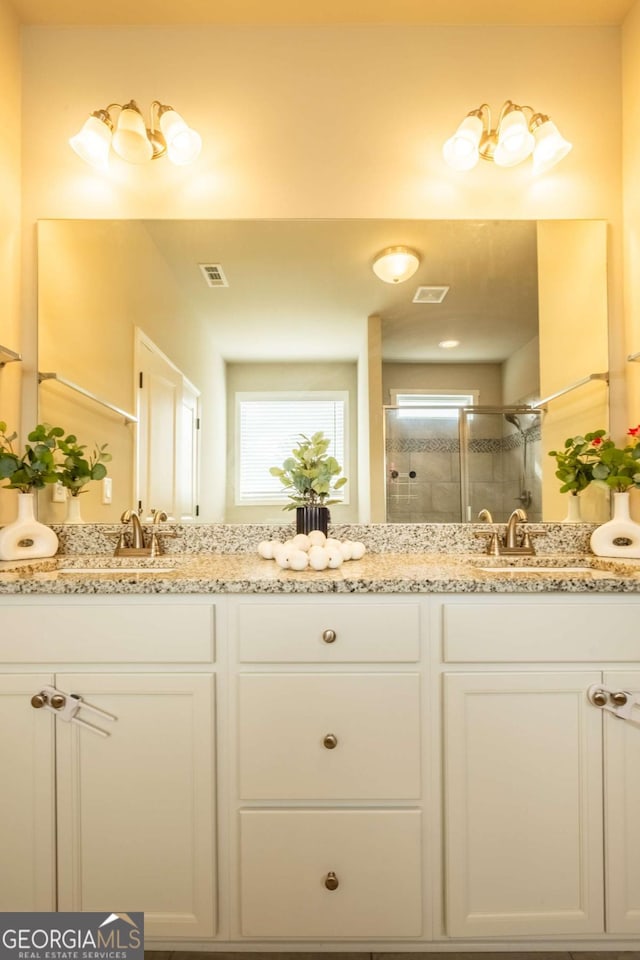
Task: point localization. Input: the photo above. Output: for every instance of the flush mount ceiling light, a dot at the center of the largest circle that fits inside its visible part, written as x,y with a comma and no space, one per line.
519,133
132,140
396,264
449,344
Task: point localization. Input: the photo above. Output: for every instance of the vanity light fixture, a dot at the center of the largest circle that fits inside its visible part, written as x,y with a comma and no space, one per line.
132,140
449,344
519,133
396,264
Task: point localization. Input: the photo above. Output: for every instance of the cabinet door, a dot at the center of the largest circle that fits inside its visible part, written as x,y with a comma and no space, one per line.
27,801
622,811
136,809
523,781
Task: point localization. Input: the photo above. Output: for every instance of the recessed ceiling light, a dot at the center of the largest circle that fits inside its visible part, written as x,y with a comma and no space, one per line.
449,344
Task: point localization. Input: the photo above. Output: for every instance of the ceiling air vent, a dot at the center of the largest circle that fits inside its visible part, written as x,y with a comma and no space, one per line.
430,294
213,274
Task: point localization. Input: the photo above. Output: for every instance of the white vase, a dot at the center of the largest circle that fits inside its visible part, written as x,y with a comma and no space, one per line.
73,511
26,538
620,536
574,513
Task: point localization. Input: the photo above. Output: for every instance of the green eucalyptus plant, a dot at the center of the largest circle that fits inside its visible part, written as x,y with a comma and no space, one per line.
78,468
595,458
36,467
575,463
308,474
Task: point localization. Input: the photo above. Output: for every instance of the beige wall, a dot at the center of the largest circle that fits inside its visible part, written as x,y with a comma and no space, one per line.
631,188
10,89
120,281
328,122
574,343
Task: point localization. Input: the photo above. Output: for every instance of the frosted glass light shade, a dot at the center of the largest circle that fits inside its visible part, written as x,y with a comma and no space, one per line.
550,146
396,264
183,143
461,151
92,142
130,139
515,141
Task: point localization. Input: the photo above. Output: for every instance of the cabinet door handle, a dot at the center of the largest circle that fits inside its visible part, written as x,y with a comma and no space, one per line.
58,701
38,700
598,697
329,636
330,741
331,882
619,698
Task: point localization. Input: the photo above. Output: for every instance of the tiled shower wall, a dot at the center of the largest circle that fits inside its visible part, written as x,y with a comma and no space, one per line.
494,470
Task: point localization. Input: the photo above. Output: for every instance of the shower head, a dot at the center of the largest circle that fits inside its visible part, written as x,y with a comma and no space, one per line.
511,418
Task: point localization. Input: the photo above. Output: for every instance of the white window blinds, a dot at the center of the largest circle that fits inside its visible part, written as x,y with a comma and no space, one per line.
268,426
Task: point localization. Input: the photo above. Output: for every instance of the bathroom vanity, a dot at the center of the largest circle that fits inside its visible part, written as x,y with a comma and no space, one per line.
407,753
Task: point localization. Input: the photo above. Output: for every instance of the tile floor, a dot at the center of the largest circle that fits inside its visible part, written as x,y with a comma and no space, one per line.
184,955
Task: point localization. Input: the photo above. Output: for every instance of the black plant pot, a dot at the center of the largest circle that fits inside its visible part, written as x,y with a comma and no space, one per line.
312,518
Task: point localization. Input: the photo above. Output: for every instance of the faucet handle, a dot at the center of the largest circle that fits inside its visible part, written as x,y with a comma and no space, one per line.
493,545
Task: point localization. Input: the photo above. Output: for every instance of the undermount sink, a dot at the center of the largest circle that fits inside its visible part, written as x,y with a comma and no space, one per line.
110,571
106,566
556,571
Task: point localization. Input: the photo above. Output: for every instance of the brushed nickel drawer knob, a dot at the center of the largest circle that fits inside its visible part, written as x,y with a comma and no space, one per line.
38,700
58,701
330,741
599,698
331,882
619,698
329,636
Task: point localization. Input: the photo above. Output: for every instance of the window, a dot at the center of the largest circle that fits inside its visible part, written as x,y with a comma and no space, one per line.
431,404
267,429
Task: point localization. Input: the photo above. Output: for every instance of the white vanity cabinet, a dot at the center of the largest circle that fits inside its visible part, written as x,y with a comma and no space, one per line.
527,764
329,768
132,814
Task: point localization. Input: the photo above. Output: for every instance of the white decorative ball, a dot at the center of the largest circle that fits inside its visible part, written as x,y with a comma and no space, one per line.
318,558
358,550
332,542
317,538
298,560
335,557
346,549
265,549
301,542
282,556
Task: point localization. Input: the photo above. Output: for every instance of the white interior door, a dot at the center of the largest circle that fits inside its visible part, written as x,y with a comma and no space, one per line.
167,448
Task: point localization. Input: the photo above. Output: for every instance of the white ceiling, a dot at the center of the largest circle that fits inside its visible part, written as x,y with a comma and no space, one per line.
190,12
294,279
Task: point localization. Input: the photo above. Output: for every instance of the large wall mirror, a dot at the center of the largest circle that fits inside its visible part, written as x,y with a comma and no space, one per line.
208,311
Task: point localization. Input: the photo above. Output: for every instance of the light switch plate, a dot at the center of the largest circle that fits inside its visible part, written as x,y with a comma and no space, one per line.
107,490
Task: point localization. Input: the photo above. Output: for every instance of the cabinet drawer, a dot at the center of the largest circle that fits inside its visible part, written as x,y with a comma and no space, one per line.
83,632
285,720
541,630
286,856
294,632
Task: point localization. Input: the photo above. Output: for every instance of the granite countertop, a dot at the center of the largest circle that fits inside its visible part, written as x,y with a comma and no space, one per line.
376,573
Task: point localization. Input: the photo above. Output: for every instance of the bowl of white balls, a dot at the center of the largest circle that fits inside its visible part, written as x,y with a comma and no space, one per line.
311,550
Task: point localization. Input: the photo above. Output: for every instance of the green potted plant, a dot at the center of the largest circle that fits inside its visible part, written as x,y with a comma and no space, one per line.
575,468
26,472
309,476
77,470
619,469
